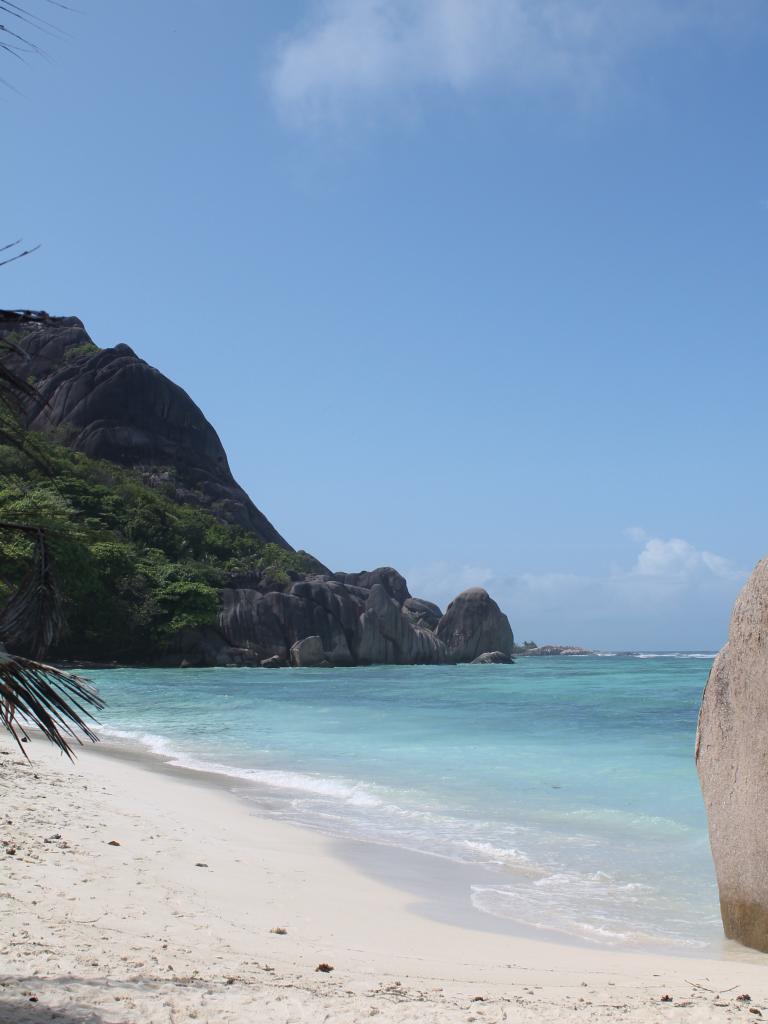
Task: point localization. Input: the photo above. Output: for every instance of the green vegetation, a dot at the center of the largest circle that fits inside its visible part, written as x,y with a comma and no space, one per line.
135,567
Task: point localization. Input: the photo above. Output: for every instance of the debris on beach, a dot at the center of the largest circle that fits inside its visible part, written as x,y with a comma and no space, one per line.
324,968
113,842
278,931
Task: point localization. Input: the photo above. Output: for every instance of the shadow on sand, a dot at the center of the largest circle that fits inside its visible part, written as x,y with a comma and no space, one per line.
22,1011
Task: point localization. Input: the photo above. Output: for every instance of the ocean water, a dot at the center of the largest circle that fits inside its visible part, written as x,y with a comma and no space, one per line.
567,783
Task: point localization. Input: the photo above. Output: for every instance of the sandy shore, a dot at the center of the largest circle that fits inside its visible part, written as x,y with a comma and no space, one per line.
134,895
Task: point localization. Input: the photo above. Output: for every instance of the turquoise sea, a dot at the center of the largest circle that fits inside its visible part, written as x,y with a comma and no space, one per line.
567,784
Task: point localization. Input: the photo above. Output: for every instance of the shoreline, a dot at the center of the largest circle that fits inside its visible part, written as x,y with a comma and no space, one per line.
175,922
439,886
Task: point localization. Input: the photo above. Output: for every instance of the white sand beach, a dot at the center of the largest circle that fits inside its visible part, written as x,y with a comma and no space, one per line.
132,894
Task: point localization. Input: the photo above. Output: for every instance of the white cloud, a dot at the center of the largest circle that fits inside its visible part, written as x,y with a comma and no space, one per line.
352,51
678,560
672,595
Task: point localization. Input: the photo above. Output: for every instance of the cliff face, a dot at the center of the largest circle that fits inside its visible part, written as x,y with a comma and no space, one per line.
110,404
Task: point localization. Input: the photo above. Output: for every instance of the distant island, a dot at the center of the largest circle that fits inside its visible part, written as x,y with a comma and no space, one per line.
163,559
530,649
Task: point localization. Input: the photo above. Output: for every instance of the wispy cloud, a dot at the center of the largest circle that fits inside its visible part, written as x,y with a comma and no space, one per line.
670,592
350,52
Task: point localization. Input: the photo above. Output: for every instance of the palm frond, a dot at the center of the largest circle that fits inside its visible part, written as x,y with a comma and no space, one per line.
56,702
33,619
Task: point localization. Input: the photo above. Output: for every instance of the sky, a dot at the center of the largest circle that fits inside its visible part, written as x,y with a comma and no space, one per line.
474,288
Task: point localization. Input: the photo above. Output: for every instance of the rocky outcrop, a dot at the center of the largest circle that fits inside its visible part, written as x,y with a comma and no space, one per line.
109,404
474,624
321,620
493,658
732,761
390,579
422,613
388,636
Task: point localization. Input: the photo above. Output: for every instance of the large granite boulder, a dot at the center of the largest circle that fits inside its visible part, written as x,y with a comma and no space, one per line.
110,404
272,623
422,613
474,624
732,761
390,579
308,653
493,658
389,638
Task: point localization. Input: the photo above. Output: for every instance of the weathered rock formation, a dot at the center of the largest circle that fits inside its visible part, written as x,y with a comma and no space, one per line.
320,620
474,624
110,404
493,658
732,760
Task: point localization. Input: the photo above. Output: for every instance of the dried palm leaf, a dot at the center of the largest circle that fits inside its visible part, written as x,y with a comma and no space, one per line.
33,619
56,702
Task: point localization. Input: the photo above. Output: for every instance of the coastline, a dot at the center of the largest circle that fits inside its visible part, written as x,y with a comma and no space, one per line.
141,932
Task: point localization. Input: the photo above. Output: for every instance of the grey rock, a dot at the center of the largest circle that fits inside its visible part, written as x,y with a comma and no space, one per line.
390,579
308,653
274,662
732,761
493,658
388,637
422,613
474,624
272,623
110,404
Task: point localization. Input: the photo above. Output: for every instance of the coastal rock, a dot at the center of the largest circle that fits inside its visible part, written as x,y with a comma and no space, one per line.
309,653
274,662
109,404
493,658
474,624
388,637
272,623
390,579
731,758
422,613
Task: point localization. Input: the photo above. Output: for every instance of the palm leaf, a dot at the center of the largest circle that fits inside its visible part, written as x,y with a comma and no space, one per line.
56,702
33,618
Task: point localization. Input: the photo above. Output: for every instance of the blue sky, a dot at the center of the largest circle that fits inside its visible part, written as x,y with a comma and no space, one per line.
476,288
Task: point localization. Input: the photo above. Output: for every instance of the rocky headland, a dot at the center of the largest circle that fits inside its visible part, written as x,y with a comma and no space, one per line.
268,608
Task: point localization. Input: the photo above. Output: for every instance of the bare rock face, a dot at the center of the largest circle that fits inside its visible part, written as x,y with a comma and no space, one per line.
732,761
388,636
308,653
389,578
422,613
474,624
109,404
